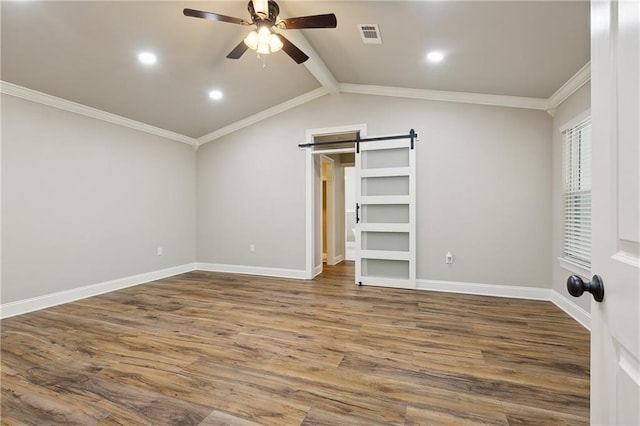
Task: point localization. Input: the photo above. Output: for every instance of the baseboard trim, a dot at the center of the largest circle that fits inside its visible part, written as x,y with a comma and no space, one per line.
479,289
49,300
575,311
495,290
317,270
299,274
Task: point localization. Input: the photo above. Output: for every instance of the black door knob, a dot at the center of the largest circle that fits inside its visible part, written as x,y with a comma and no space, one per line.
577,286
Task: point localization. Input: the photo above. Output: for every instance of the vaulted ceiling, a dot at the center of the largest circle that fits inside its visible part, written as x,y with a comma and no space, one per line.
86,52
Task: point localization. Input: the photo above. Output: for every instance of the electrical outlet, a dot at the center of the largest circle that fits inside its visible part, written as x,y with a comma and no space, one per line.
159,251
448,258
252,248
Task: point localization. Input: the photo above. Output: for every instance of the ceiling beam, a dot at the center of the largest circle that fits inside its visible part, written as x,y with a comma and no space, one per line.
314,64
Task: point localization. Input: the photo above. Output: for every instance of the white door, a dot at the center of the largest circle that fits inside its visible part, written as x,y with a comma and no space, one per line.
385,214
615,323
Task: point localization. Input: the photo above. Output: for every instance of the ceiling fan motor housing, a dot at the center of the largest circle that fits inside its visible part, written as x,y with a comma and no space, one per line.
257,18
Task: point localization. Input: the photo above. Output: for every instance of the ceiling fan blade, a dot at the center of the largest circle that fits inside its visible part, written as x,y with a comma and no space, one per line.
290,49
238,51
314,21
213,16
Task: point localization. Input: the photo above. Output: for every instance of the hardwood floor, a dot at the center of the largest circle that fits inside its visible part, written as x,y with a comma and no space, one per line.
213,349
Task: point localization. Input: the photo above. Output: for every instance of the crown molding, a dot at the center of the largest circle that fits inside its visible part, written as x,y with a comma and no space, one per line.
263,115
572,85
446,96
66,105
329,85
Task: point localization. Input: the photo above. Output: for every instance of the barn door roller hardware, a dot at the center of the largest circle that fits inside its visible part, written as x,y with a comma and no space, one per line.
412,135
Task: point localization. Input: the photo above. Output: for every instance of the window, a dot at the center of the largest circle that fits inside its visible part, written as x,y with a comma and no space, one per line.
577,193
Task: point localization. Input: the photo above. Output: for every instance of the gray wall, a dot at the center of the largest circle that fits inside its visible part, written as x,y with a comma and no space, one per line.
251,191
573,106
484,187
85,201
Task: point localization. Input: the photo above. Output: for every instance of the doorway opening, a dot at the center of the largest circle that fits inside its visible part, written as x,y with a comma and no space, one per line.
327,216
328,209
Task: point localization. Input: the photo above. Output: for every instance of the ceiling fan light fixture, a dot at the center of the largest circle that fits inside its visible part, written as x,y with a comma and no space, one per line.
263,48
252,40
263,41
275,43
265,16
264,34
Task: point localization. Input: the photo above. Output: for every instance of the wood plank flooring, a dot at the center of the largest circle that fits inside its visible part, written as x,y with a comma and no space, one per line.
216,349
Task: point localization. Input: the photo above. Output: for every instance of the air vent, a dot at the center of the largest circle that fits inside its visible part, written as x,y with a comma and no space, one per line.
370,33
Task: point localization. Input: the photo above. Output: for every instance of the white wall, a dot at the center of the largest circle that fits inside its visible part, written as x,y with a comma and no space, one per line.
484,187
573,106
85,201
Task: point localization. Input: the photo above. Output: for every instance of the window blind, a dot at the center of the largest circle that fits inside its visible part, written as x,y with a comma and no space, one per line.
577,193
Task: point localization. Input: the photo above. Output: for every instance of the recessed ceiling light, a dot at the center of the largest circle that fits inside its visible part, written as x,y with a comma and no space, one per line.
147,58
216,95
435,56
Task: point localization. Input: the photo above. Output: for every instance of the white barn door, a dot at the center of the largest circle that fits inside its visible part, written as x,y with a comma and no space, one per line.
615,112
385,214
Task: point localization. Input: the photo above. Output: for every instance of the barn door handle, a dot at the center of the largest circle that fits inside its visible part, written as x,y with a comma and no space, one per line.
357,213
577,286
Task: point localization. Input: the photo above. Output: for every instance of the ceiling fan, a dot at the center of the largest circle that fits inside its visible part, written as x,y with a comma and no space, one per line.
264,39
